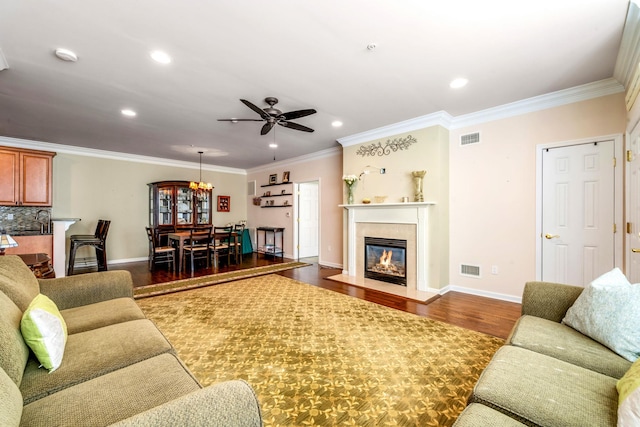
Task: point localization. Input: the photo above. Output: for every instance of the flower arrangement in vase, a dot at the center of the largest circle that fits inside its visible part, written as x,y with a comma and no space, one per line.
350,181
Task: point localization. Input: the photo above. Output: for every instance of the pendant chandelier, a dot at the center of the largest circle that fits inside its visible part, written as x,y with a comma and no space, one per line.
200,186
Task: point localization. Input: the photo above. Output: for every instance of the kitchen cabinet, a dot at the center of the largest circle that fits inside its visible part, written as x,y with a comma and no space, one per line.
174,204
26,177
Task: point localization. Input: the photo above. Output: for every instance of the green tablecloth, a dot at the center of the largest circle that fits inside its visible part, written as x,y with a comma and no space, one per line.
247,248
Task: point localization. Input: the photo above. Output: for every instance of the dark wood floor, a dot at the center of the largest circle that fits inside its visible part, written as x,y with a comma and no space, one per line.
481,314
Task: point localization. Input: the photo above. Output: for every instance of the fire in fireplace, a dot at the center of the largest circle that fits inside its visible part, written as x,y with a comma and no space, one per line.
385,260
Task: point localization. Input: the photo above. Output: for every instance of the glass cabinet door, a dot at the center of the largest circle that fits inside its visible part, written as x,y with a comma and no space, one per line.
184,206
165,206
203,201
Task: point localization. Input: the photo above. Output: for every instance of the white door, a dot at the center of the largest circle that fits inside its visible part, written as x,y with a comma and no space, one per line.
308,219
578,197
633,208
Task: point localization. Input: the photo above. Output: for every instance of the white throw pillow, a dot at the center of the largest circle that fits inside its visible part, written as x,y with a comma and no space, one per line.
608,311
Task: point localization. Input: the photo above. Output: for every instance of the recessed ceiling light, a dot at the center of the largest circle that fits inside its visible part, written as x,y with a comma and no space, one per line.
458,83
161,57
66,55
272,145
336,123
128,112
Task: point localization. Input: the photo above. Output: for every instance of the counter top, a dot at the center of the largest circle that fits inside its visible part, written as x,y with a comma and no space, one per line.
28,233
66,219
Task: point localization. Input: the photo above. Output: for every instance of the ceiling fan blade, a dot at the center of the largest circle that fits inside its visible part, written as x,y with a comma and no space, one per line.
297,114
294,126
257,109
266,128
240,120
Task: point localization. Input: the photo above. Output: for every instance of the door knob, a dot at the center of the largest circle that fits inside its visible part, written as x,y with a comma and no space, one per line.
551,236
635,250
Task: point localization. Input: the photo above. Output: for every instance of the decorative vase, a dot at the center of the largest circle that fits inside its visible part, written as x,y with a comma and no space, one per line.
350,194
418,177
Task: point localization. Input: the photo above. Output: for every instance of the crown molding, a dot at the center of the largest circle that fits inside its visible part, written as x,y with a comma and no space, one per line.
112,155
629,53
329,152
440,118
584,92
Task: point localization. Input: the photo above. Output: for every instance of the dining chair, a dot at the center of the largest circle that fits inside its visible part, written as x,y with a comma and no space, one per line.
159,253
237,245
221,240
98,241
198,246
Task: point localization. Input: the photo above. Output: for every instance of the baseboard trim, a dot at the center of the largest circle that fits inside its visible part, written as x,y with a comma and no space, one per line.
480,293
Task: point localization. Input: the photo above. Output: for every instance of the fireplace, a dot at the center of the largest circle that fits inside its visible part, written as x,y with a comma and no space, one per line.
385,260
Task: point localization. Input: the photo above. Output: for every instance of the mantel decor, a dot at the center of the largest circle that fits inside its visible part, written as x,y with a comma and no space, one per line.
350,181
391,146
418,177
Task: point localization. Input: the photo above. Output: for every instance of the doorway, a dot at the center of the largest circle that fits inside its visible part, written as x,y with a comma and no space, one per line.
308,221
579,210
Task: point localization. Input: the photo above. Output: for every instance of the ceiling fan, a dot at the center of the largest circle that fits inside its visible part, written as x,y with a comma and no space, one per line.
273,116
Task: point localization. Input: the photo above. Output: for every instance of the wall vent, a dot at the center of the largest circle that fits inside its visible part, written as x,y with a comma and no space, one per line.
251,188
470,138
469,270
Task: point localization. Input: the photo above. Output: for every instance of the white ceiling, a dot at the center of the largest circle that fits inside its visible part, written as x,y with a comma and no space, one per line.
309,54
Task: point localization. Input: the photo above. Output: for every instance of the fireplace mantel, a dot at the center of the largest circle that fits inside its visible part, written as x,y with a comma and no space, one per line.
416,213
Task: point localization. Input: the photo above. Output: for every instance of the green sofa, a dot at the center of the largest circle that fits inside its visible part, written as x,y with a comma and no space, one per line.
547,374
117,369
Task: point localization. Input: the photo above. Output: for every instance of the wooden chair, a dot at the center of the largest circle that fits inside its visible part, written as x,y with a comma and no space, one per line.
198,246
221,240
159,253
237,246
98,241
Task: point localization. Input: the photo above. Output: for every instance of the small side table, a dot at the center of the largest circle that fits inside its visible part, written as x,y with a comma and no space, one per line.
40,264
266,248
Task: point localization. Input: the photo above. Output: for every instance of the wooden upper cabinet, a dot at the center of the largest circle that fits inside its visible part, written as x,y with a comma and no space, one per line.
26,177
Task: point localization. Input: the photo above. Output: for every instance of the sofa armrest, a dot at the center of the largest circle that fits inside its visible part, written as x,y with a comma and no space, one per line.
229,404
548,300
83,289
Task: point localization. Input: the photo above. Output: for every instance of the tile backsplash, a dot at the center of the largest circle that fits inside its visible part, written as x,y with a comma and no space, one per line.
24,218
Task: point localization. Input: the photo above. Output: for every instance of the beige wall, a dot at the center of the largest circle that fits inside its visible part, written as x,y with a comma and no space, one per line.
327,170
93,188
430,153
493,189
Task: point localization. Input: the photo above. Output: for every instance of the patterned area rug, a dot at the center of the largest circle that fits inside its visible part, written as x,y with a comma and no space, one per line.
317,357
212,279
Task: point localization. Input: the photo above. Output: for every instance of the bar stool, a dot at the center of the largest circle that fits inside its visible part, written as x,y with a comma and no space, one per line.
98,240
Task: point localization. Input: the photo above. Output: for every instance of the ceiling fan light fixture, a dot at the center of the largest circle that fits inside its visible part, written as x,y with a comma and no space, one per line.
336,123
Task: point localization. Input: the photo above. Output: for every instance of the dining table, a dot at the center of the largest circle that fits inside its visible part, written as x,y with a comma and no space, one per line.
181,236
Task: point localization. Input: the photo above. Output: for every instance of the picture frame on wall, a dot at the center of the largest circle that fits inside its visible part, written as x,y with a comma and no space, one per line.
224,203
273,178
285,176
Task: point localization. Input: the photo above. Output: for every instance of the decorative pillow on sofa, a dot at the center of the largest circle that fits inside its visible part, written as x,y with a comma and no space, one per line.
44,331
608,311
629,397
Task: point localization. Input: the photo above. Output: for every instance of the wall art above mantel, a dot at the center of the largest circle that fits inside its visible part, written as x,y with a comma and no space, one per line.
391,146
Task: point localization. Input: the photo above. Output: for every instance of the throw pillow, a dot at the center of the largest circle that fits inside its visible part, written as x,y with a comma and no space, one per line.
608,311
44,331
629,397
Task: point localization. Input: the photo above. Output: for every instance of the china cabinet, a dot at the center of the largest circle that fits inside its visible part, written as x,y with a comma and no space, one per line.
26,177
174,204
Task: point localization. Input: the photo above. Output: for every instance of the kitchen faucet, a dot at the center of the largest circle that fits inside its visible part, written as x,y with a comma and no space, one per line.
45,227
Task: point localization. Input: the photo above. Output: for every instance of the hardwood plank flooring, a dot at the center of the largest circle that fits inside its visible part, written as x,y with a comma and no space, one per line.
481,314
